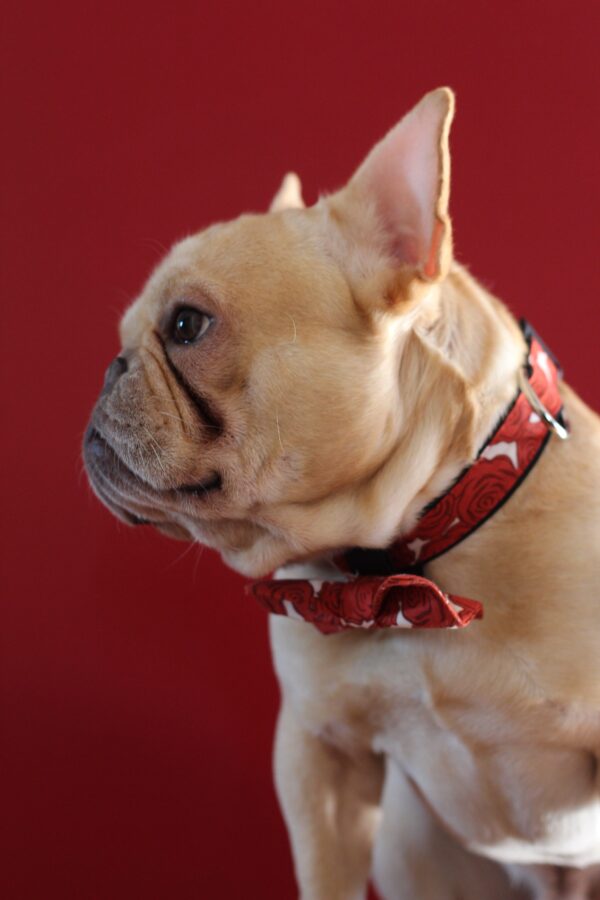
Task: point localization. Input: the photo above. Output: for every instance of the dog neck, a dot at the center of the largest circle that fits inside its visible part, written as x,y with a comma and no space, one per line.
461,355
479,349
386,588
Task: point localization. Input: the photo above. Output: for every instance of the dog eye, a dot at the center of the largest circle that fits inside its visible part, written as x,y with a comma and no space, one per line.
189,324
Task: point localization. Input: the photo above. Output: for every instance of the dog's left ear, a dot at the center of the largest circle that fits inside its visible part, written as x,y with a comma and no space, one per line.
396,204
289,195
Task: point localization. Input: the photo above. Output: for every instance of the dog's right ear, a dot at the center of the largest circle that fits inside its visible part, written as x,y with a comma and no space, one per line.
394,210
289,195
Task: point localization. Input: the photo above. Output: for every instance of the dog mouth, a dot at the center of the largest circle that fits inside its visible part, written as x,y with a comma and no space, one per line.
133,499
211,484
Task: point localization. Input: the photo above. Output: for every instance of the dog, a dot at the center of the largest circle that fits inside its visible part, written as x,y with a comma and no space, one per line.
301,382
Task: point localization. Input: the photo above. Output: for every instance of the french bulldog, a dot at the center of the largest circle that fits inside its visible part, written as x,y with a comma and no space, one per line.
307,380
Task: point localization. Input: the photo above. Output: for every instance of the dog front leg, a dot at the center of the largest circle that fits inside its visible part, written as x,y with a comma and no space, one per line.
330,802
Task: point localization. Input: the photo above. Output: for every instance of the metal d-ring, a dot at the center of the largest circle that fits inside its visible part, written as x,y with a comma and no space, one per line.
539,407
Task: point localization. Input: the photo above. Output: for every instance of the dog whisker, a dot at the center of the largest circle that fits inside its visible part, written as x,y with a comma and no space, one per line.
279,432
295,329
181,556
155,244
163,412
154,444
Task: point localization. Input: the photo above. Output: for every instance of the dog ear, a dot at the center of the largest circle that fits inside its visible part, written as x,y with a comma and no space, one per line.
400,195
289,195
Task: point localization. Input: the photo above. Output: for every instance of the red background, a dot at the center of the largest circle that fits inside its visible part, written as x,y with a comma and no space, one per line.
136,721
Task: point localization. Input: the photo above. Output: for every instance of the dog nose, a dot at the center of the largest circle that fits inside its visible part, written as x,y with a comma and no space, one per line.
117,368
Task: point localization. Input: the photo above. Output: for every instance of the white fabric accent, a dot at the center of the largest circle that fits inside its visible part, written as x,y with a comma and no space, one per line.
542,359
401,622
366,624
502,448
416,547
291,612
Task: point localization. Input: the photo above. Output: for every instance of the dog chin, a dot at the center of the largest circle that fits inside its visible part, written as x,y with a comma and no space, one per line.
192,512
246,547
149,518
173,530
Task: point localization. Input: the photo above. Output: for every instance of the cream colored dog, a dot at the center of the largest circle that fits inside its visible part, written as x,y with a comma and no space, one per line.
308,380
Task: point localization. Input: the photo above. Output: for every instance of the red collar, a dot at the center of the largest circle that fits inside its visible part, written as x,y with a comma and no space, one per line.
401,597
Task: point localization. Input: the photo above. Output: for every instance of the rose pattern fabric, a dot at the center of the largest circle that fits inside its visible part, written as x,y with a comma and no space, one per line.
500,467
399,601
407,600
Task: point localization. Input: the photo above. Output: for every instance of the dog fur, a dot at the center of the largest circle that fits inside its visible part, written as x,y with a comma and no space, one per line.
351,369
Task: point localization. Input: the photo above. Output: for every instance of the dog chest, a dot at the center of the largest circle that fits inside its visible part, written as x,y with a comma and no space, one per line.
505,789
514,777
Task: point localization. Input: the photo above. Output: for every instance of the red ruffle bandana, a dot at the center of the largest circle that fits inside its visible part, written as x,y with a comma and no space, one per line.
405,599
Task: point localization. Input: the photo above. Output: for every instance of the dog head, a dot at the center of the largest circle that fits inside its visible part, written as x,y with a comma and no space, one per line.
264,399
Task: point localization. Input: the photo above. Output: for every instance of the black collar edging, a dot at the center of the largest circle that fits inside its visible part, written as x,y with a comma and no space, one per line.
530,419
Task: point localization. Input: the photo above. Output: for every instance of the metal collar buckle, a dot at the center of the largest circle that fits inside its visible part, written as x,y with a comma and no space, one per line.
525,385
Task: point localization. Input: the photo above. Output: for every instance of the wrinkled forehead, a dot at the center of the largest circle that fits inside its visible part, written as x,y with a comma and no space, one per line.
255,266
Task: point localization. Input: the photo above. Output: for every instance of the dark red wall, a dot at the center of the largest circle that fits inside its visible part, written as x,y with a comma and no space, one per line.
136,720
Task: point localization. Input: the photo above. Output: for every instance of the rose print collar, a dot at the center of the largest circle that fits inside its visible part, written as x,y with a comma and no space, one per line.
386,588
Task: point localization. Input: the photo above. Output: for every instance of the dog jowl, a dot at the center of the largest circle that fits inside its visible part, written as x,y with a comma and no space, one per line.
299,383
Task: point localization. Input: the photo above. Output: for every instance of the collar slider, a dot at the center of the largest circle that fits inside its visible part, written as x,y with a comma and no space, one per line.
526,387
